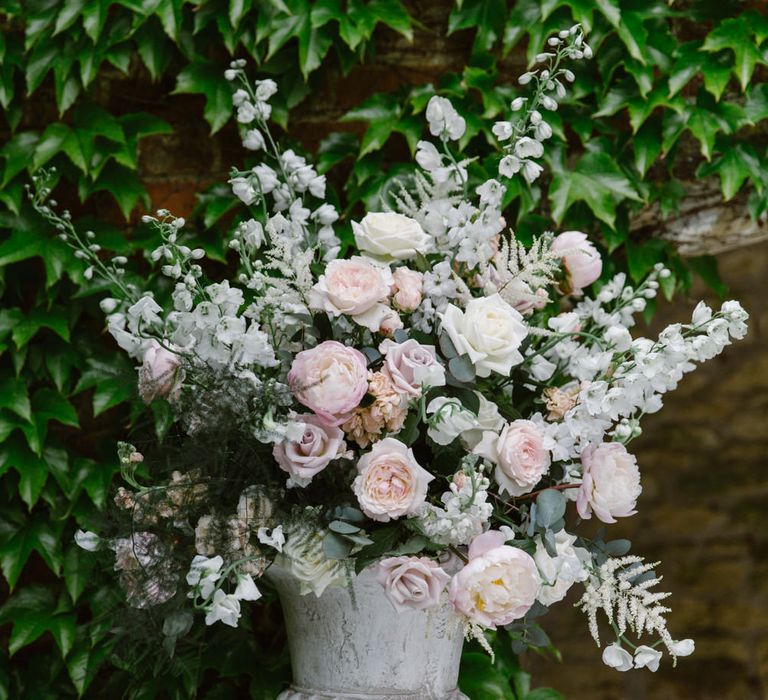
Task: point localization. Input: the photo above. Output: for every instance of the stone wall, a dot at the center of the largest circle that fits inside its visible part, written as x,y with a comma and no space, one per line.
703,513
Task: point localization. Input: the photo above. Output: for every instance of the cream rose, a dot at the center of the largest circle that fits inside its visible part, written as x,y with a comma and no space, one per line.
490,331
304,557
407,288
318,445
559,573
330,379
390,482
411,366
498,585
520,455
411,583
581,260
357,288
610,483
390,236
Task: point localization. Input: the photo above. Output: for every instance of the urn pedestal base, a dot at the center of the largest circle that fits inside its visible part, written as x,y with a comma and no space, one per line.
351,644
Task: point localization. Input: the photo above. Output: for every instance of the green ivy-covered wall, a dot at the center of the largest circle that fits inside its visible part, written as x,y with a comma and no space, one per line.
128,101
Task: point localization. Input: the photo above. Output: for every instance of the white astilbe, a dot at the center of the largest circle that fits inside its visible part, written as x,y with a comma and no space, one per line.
627,605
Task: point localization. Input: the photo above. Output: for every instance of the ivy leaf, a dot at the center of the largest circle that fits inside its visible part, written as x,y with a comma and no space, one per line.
14,397
50,405
382,111
687,64
597,181
16,154
54,319
19,540
123,184
154,47
205,78
84,663
313,45
733,168
735,34
647,143
77,569
94,15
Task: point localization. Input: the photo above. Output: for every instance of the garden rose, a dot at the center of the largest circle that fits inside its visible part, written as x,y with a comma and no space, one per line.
559,573
330,379
489,330
407,288
610,482
498,585
411,366
160,374
390,482
520,455
304,557
390,236
356,288
318,445
411,583
581,260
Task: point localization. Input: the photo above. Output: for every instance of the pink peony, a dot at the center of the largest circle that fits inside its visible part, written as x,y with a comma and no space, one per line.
160,374
411,366
390,482
581,260
498,585
610,483
412,583
407,286
318,445
330,379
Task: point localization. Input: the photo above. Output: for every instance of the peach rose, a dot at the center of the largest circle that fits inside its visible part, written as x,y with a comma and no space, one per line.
411,366
581,260
318,445
330,379
498,585
356,288
407,286
610,483
390,482
412,583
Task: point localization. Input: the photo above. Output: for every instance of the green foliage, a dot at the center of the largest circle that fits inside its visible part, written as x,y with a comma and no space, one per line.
671,85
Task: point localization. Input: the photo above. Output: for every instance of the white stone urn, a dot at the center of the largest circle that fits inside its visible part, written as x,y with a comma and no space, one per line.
351,644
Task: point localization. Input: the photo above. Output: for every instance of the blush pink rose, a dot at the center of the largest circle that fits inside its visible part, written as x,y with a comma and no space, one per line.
389,321
498,585
520,455
318,445
581,260
412,583
610,483
407,287
330,379
411,366
355,287
160,374
390,482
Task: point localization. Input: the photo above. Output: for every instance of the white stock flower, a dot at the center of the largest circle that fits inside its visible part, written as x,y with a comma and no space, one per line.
490,331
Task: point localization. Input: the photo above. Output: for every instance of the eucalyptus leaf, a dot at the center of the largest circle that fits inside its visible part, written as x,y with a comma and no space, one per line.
550,507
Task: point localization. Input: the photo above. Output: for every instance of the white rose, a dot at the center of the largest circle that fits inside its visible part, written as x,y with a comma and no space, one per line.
390,482
451,419
356,288
390,236
610,483
304,557
559,573
490,331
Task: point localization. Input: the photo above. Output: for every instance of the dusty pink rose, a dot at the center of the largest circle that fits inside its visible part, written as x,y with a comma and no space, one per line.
610,483
355,287
581,260
412,583
520,456
160,374
407,286
390,482
411,365
312,452
498,585
330,379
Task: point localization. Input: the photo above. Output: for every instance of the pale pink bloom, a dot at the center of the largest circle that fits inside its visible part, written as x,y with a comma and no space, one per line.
318,445
407,286
390,482
411,366
160,374
610,483
330,379
498,585
412,583
581,260
357,288
389,321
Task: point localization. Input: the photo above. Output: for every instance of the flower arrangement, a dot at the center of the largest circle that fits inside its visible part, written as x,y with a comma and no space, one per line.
433,399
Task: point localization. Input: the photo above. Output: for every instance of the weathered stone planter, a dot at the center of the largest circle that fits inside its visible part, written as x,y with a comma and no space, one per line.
350,644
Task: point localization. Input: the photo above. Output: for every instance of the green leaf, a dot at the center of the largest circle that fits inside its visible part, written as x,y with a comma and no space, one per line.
461,368
18,541
50,405
479,677
206,78
687,64
123,184
706,267
94,16
550,507
17,154
83,664
647,143
14,397
111,392
733,168
597,181
313,45
735,34
54,319
77,569
51,143
154,47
